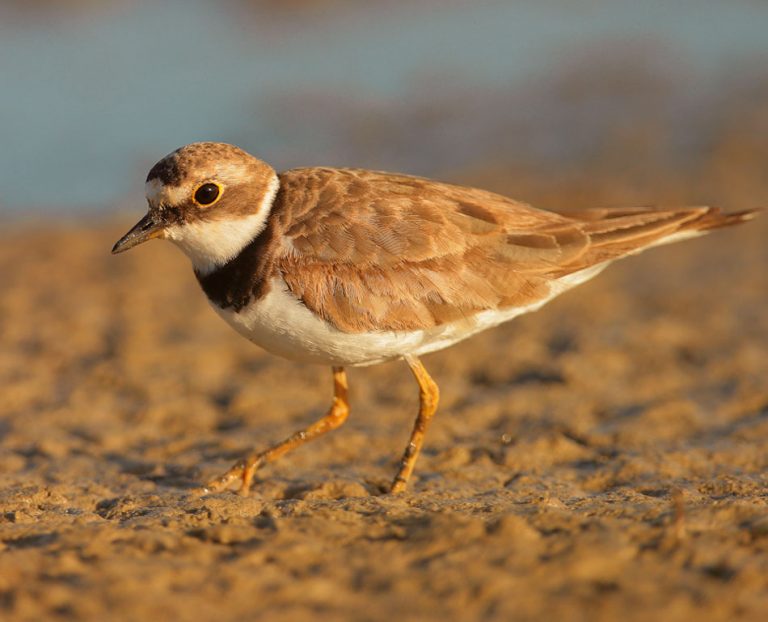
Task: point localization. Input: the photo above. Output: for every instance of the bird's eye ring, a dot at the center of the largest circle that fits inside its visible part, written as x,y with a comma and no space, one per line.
207,194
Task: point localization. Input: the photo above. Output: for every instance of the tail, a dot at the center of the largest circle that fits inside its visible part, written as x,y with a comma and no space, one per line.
614,233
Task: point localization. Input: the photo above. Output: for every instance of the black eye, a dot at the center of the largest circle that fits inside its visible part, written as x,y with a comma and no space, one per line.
207,194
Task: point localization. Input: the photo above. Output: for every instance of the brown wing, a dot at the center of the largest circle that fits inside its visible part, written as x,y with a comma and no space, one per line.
376,251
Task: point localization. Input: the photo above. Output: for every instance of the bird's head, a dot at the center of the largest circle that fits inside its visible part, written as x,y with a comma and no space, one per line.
210,199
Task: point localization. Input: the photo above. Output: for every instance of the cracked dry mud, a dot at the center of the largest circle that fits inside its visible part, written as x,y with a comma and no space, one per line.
601,459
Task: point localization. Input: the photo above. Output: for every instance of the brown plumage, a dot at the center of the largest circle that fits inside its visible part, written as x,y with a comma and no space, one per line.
376,251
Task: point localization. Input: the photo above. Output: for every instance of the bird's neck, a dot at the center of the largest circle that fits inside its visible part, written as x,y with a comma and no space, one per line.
247,275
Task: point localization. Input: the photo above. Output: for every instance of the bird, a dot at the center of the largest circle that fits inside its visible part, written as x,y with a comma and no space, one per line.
348,267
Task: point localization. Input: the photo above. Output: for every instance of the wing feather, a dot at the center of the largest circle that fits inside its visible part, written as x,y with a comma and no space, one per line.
375,251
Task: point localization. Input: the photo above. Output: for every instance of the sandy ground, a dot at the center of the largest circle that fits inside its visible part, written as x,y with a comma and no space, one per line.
602,459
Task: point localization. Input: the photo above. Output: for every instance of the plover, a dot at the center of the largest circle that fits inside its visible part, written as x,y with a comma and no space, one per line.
350,267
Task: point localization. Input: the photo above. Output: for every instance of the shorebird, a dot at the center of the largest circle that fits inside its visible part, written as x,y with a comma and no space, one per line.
351,267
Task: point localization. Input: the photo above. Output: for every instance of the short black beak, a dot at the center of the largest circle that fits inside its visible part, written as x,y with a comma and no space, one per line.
147,228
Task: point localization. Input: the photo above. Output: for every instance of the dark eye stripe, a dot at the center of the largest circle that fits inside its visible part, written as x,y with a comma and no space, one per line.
207,194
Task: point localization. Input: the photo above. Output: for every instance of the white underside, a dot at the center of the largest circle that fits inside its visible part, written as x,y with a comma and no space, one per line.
281,324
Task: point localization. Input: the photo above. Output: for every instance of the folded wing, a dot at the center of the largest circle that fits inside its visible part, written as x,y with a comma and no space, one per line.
375,251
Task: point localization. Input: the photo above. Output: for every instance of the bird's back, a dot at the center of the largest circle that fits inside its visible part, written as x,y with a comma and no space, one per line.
371,251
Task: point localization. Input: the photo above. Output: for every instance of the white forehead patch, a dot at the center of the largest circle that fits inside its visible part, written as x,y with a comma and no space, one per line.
158,193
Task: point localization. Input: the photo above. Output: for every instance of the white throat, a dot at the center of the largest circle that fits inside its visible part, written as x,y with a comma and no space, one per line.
211,244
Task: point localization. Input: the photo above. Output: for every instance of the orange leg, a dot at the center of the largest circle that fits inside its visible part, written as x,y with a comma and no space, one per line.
245,469
429,396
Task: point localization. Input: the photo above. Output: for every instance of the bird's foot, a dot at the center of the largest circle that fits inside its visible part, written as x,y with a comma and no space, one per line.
242,470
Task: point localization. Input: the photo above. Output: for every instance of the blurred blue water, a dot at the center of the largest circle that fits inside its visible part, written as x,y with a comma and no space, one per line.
90,100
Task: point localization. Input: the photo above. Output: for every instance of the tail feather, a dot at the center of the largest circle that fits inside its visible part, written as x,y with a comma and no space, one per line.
714,218
630,229
614,233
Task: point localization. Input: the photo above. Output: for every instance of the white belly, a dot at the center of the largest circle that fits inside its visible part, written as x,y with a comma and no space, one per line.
281,324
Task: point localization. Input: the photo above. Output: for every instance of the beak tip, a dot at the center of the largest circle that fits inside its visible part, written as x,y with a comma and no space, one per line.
121,246
146,229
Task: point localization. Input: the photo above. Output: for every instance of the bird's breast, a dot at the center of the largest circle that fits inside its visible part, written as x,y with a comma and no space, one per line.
278,322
